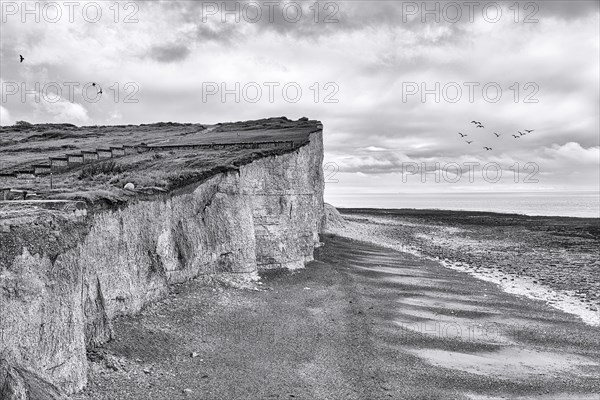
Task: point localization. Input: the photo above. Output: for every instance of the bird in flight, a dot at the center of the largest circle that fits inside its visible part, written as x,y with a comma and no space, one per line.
497,134
529,130
521,133
461,135
468,141
476,122
480,126
99,90
515,136
22,58
487,148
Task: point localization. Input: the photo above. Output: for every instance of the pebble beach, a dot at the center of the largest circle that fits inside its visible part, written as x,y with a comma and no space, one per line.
553,259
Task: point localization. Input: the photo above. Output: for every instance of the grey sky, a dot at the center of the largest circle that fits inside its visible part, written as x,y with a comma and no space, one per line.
364,61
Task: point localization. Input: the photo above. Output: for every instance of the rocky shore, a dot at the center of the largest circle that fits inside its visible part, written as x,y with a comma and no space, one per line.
555,255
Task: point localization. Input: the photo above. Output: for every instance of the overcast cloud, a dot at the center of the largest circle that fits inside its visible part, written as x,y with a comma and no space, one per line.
172,55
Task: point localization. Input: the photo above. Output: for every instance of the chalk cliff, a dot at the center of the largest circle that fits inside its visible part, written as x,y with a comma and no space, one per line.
64,279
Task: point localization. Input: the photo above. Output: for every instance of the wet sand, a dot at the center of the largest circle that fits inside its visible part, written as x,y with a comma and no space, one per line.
361,322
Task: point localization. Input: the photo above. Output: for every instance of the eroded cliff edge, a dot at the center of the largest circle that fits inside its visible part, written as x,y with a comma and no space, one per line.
57,304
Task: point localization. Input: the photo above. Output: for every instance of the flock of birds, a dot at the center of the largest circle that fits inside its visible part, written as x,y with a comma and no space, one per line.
487,148
99,89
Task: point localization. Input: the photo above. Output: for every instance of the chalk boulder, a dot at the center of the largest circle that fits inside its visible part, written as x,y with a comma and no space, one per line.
333,219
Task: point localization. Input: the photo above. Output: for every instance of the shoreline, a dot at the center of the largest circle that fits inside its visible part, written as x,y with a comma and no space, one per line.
580,204
466,242
416,211
524,286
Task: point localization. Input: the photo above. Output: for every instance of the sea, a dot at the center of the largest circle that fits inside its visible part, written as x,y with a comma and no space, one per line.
567,204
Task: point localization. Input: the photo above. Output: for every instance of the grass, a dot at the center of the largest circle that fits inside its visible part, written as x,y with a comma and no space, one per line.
92,171
94,196
103,181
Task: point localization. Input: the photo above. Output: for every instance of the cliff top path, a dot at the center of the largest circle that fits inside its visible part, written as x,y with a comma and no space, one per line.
361,322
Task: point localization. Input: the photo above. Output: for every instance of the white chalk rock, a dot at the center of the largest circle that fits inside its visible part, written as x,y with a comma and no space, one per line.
129,186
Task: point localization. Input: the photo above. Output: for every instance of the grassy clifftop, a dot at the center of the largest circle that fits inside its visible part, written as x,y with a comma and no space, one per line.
22,147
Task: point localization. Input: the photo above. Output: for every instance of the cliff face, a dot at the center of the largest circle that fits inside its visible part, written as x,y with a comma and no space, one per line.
57,304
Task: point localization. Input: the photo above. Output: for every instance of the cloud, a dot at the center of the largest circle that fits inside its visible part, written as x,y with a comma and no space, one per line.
374,148
567,10
5,118
168,53
368,54
573,154
555,167
63,111
223,21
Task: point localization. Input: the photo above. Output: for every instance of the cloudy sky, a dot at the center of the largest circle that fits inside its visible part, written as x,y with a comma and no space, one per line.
392,82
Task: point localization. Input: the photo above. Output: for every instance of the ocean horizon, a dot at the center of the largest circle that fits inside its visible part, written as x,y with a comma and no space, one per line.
583,204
